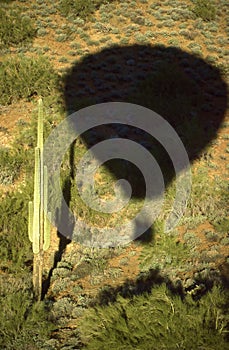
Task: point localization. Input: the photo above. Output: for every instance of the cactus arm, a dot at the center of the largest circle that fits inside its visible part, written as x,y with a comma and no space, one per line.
47,231
36,211
47,216
40,125
30,223
45,201
40,145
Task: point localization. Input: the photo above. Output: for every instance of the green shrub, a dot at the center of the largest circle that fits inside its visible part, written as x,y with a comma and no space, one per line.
222,225
23,325
15,28
24,77
80,8
159,320
15,247
204,9
10,163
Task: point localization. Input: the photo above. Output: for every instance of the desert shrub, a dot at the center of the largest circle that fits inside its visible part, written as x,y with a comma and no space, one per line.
10,163
204,9
159,320
222,225
25,77
210,200
15,250
15,28
80,8
23,324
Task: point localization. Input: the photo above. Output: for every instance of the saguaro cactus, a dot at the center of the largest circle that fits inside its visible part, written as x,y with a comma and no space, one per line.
39,224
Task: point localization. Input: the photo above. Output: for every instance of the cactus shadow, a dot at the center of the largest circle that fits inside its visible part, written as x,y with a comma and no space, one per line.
62,215
147,281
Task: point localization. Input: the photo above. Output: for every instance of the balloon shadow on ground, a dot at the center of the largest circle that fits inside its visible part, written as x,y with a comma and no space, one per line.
185,90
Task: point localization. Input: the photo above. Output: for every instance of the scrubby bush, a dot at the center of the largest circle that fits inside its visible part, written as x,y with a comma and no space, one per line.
204,9
80,8
10,163
23,324
15,247
159,320
24,77
15,28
